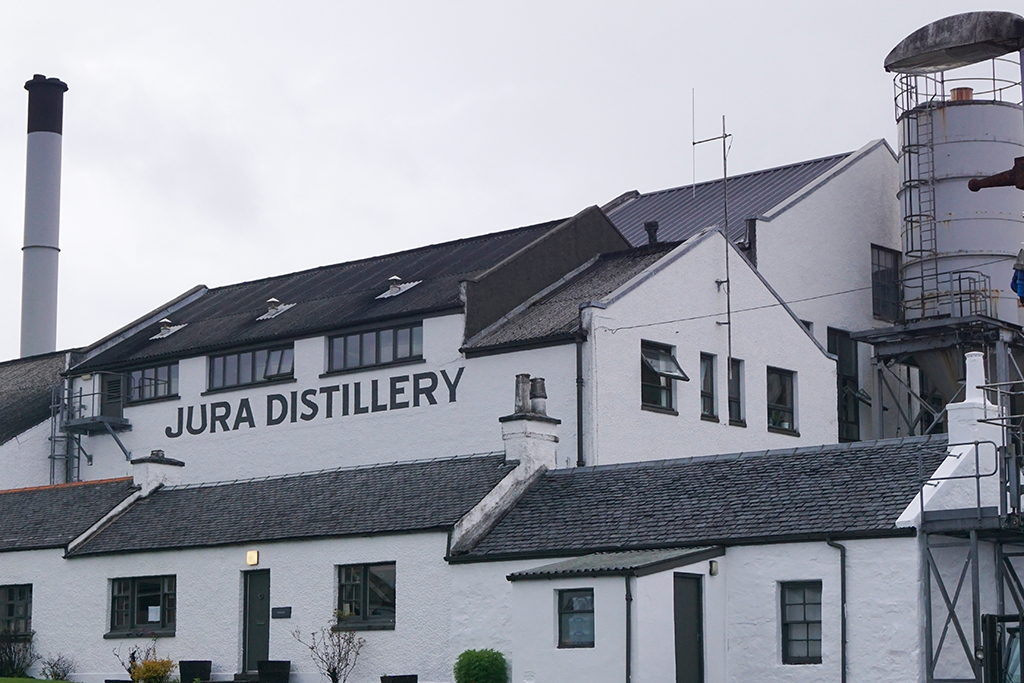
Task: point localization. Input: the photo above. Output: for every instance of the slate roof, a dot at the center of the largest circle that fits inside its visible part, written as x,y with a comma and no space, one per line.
53,516
681,215
396,498
556,314
326,298
842,490
629,562
25,392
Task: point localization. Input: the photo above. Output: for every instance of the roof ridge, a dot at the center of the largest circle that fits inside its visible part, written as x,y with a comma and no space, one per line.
37,357
329,470
71,484
738,455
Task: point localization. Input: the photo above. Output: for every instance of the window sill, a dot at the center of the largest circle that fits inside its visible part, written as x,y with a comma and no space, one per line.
781,430
140,633
709,418
575,647
253,385
658,409
364,626
798,663
738,423
365,368
147,401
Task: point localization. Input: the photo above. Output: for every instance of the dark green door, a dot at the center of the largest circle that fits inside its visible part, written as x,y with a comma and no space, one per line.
256,645
689,627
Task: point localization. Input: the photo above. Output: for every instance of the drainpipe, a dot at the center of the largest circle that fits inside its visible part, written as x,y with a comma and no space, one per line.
842,600
579,401
629,629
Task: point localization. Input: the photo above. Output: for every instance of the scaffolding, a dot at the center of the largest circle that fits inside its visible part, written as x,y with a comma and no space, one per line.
76,412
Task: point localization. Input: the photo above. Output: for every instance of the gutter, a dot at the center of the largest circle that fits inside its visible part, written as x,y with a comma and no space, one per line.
842,600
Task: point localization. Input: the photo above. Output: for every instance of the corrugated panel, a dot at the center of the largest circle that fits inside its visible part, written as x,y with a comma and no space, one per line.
625,561
25,392
681,215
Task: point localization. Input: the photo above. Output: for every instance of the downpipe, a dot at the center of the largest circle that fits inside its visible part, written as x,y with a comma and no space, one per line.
842,599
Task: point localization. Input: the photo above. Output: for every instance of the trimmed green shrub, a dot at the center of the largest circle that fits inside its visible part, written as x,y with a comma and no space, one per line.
481,666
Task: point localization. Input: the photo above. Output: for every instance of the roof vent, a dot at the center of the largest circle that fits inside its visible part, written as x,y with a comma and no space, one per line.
167,328
396,287
274,309
652,231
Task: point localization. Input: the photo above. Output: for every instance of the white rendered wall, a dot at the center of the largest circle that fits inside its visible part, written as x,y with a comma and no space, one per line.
485,392
24,460
680,305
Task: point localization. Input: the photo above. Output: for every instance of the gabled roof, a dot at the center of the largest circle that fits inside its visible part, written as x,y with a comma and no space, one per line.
53,516
840,490
397,498
682,212
555,314
25,392
326,298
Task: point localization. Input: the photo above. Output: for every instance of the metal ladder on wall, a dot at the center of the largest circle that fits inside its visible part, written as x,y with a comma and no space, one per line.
65,447
920,243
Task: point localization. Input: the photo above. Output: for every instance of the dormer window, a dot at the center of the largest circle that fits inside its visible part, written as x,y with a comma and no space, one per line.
251,367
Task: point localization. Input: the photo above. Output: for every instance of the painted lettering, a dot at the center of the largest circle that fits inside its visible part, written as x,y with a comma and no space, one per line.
202,413
295,406
377,407
282,403
329,391
308,402
398,391
452,383
344,400
428,391
244,415
219,414
181,420
356,408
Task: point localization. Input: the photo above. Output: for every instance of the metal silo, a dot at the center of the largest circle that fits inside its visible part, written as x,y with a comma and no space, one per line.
960,117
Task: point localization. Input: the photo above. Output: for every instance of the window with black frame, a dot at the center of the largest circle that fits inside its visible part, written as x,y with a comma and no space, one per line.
16,609
576,618
147,384
781,400
251,367
737,416
658,368
142,606
708,402
847,376
366,596
885,283
399,344
801,622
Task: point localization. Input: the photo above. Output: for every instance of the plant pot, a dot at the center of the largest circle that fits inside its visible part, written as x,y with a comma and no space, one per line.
274,670
411,678
191,669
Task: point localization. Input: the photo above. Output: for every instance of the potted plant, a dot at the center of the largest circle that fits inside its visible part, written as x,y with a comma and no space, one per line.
274,670
191,670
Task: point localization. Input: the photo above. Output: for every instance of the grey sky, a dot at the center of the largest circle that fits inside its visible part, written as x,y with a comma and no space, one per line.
214,142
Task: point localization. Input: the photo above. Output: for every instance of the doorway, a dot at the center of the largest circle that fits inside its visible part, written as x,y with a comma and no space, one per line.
256,615
689,628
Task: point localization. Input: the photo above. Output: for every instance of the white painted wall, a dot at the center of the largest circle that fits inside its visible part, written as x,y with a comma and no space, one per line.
679,304
24,460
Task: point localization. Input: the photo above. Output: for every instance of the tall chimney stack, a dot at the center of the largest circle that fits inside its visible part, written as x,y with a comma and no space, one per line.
42,215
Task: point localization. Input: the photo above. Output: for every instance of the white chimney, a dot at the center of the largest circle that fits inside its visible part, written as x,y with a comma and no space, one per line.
530,436
42,215
156,470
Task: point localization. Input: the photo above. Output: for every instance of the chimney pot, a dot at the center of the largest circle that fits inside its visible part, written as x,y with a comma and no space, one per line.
522,394
652,231
538,396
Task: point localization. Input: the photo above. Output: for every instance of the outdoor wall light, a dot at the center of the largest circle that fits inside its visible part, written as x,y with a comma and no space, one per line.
252,558
713,567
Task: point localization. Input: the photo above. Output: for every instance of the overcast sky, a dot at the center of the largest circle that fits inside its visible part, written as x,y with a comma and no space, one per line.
214,142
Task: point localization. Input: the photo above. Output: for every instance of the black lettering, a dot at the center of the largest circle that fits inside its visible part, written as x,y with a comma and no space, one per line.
452,383
202,414
397,391
344,400
330,391
217,417
356,408
427,391
295,405
174,435
281,402
377,407
309,403
244,415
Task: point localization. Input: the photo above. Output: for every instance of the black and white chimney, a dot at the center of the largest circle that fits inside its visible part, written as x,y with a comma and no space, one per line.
42,215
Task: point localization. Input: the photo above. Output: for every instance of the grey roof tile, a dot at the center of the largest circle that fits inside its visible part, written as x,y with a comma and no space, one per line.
25,392
682,212
860,489
395,498
52,516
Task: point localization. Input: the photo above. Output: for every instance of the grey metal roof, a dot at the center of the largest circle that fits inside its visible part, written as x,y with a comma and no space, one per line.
25,392
857,489
396,498
629,562
52,516
682,212
326,298
556,314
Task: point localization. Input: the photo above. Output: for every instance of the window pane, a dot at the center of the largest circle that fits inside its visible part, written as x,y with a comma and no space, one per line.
173,388
798,648
417,341
577,629
273,363
147,601
387,349
369,350
136,384
337,352
352,351
162,380
287,361
231,370
402,337
149,383
794,613
813,612
380,601
245,368
217,380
